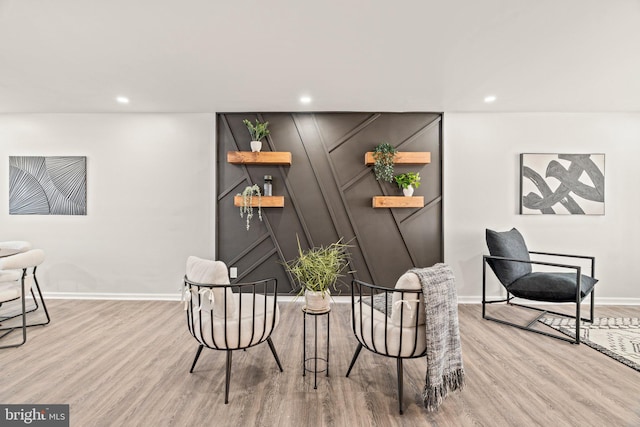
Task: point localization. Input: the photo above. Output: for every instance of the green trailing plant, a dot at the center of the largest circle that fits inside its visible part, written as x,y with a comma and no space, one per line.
258,130
383,156
404,180
247,203
319,269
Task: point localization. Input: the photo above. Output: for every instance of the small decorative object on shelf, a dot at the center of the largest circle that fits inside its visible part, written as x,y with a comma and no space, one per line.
268,187
257,131
408,182
383,155
247,203
317,270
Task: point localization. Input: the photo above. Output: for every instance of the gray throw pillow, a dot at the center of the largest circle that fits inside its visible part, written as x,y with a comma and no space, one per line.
508,244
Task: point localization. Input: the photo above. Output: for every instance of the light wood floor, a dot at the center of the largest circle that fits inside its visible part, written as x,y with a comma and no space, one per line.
126,363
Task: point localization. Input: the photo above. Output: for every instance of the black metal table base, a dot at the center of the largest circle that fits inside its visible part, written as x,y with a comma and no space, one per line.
313,361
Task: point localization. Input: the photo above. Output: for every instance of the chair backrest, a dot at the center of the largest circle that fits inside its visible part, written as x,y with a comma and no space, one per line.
14,247
508,244
208,272
28,259
408,305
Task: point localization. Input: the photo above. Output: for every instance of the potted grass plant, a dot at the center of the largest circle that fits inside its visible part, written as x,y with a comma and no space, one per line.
317,270
408,182
257,131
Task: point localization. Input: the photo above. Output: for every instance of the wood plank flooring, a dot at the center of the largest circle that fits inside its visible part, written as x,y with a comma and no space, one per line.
126,363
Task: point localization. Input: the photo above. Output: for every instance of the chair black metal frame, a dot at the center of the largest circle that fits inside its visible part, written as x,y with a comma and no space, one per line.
267,287
369,292
24,311
509,297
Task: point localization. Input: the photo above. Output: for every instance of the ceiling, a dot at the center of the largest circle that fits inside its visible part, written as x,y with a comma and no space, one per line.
74,56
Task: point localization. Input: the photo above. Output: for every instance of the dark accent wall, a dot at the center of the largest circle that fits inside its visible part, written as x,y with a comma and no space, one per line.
328,192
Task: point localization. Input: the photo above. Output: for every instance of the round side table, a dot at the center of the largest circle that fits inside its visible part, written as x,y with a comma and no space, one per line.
313,361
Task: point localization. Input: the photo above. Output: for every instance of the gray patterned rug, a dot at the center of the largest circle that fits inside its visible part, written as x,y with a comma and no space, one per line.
617,337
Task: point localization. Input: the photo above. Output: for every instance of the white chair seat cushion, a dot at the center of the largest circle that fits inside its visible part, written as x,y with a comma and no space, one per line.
11,289
244,329
386,338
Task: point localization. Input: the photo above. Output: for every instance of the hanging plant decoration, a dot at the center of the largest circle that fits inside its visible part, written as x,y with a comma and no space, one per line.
247,203
383,156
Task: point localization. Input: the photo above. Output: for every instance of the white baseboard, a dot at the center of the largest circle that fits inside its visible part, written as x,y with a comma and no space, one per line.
340,299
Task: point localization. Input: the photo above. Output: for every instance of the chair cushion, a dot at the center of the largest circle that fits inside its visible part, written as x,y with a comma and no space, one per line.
244,329
408,305
10,290
551,287
508,244
209,272
381,335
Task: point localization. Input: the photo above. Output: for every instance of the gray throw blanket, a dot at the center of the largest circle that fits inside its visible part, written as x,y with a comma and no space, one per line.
445,372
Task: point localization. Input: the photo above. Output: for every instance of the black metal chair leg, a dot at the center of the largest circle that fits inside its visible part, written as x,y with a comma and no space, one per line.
46,312
353,360
227,377
591,307
196,359
400,385
275,355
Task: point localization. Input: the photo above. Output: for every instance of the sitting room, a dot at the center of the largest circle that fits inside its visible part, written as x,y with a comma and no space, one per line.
319,214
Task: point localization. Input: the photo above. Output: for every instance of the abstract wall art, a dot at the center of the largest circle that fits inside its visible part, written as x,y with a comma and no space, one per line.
47,185
569,184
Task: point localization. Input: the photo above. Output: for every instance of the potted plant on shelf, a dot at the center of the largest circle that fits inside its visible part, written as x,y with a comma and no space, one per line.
383,156
247,202
408,182
257,131
317,271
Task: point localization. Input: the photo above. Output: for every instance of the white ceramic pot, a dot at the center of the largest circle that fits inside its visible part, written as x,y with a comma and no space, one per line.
256,146
408,192
315,301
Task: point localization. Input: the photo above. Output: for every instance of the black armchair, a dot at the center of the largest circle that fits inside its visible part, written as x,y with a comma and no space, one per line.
510,261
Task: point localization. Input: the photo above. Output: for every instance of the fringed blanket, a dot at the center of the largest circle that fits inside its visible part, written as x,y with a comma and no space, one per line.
445,372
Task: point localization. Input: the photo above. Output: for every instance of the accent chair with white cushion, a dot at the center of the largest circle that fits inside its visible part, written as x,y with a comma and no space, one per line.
15,281
228,317
389,322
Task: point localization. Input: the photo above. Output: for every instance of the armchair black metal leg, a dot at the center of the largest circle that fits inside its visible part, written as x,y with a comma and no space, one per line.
196,359
355,356
46,312
577,323
591,307
400,385
227,377
273,350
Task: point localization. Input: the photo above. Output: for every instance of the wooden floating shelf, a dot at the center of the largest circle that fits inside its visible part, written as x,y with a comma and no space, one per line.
267,201
398,202
259,158
403,157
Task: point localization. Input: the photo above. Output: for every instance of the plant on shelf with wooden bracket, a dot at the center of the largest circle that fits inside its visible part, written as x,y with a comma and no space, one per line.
383,155
257,132
247,203
408,182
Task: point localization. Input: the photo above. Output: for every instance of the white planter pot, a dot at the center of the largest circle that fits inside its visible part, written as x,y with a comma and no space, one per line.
408,192
256,146
315,302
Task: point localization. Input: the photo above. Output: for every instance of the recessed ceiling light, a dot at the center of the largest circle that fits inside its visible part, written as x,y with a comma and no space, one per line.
489,99
305,99
122,100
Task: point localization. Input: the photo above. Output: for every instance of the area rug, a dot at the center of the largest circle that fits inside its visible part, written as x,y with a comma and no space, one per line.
617,337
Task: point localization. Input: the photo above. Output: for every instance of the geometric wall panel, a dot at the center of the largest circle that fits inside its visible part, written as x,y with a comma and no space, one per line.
55,185
328,192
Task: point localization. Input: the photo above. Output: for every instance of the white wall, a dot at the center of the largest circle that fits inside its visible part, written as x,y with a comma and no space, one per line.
481,179
149,199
